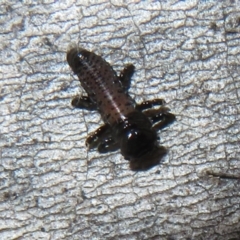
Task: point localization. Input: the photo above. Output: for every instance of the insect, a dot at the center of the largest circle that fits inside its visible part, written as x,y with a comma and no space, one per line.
128,126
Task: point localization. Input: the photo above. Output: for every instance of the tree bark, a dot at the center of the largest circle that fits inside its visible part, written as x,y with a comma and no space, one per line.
51,187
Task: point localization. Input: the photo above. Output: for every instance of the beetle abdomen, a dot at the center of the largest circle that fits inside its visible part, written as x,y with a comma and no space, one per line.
101,84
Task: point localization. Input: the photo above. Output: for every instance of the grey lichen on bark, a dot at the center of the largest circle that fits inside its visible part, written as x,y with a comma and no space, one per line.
51,187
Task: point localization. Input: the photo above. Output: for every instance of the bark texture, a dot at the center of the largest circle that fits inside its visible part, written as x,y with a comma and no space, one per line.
186,52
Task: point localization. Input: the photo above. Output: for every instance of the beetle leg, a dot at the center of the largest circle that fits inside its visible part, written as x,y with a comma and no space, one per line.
108,145
160,118
125,76
83,102
96,137
149,104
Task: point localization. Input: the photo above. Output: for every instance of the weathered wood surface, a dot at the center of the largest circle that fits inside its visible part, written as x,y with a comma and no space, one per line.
187,52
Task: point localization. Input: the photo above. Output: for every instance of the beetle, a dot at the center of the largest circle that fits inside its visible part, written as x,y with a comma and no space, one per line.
128,126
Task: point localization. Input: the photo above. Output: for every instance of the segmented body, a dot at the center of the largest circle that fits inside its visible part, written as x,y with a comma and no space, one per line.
126,127
102,85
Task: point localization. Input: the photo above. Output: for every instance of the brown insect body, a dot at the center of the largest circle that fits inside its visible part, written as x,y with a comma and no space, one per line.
126,126
102,85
